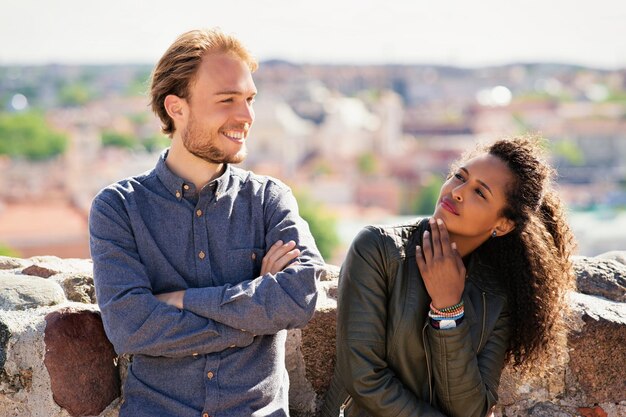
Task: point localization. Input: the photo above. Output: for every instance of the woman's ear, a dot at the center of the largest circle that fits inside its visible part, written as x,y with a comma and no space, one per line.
176,108
504,226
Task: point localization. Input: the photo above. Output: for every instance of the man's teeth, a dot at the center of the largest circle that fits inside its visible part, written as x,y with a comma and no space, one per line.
235,135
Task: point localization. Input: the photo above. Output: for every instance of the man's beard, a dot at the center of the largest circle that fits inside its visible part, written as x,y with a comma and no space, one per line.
203,144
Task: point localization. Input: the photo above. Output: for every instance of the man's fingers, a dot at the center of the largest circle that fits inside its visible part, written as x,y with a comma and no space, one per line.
277,251
285,260
278,256
270,253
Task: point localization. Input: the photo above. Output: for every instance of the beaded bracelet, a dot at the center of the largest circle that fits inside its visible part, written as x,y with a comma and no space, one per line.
447,309
447,312
435,316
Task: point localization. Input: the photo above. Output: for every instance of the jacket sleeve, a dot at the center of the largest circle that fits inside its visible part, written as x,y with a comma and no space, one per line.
134,320
466,384
269,303
361,334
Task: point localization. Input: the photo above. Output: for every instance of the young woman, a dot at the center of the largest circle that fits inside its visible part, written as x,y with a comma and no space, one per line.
428,313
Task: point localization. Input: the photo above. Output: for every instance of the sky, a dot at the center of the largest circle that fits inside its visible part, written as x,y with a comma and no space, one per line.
454,32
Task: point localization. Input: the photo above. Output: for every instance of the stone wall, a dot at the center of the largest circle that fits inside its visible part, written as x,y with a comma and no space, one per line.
55,360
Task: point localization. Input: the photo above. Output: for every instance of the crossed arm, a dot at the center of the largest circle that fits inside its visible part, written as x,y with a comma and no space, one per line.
214,318
275,260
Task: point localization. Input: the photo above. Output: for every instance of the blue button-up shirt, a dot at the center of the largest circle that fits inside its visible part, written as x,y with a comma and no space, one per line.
224,353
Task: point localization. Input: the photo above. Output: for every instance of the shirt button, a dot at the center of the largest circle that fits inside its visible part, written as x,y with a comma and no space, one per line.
253,256
201,255
232,346
177,194
198,212
185,186
209,375
205,415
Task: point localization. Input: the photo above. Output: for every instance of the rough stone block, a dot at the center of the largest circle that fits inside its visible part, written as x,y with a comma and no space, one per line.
302,399
80,361
46,266
602,276
78,287
20,292
597,349
318,339
11,263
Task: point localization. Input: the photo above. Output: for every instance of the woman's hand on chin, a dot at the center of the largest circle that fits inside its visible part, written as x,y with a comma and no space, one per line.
441,266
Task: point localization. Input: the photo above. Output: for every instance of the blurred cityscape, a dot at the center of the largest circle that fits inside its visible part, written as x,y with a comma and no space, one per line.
369,144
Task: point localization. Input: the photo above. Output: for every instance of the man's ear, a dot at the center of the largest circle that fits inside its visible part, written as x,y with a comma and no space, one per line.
176,108
505,226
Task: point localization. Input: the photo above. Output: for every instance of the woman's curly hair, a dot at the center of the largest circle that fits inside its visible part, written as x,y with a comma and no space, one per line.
536,256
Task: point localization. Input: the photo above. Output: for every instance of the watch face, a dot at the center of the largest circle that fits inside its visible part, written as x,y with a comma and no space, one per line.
447,324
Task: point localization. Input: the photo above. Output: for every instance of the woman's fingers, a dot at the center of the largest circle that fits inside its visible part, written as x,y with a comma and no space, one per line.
457,256
434,228
427,247
419,258
444,237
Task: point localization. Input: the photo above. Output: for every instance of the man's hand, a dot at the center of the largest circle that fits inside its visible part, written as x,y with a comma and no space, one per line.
275,260
174,298
279,256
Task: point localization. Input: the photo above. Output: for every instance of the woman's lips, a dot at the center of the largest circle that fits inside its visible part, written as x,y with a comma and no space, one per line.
448,206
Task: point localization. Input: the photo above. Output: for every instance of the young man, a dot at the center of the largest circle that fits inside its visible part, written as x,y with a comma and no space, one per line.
195,261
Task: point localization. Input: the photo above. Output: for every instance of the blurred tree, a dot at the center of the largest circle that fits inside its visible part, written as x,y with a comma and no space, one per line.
75,94
7,251
110,138
322,223
367,163
155,142
28,135
140,84
568,150
426,200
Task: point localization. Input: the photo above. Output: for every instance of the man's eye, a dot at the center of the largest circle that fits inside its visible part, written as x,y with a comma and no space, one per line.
227,100
251,100
480,193
459,177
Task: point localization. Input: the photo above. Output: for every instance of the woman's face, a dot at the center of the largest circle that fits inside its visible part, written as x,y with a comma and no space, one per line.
471,200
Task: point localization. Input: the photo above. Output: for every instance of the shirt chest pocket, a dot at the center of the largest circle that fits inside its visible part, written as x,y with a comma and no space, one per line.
241,265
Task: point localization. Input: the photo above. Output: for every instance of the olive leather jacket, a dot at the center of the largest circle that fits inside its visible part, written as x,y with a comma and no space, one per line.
390,361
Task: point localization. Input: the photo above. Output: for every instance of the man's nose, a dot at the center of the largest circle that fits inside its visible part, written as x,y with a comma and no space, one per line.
245,113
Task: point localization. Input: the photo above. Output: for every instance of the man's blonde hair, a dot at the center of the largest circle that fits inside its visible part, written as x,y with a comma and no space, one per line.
177,68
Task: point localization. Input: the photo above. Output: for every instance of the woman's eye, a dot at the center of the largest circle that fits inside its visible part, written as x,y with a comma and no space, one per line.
480,193
459,177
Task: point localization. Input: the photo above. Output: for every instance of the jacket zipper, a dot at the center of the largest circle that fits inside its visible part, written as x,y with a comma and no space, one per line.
345,404
482,331
427,354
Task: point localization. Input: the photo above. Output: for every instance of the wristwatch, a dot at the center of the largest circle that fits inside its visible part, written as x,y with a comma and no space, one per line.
445,323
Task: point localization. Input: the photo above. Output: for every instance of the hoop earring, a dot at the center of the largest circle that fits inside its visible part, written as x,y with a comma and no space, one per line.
494,234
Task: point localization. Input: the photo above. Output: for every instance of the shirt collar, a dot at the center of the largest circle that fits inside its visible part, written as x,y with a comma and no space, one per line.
175,184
